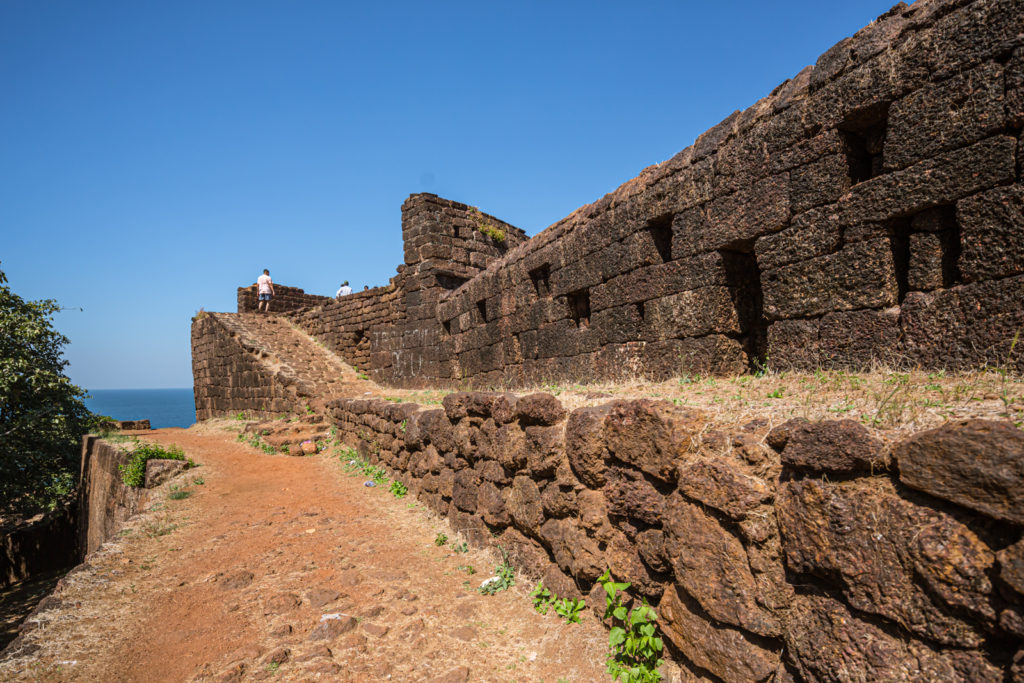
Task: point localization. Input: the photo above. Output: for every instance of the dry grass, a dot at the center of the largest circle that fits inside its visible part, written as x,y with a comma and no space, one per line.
882,398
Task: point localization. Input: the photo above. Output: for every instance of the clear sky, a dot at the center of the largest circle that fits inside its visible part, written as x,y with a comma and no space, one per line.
156,155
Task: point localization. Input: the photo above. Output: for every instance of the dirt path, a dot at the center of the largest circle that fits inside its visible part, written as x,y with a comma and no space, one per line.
231,583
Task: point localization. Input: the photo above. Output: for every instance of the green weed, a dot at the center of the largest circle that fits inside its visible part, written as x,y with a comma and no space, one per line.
634,645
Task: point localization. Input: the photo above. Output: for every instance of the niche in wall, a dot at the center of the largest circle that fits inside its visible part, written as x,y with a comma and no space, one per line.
863,136
540,277
660,229
579,307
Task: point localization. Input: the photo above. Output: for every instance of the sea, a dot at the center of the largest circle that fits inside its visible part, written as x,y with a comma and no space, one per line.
162,407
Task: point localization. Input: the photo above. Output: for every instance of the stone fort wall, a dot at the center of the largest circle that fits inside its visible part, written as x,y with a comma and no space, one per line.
869,209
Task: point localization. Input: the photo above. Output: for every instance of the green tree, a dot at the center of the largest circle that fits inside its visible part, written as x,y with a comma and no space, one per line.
42,416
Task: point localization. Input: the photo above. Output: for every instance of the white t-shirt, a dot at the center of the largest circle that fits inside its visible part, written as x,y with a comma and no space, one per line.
344,290
264,283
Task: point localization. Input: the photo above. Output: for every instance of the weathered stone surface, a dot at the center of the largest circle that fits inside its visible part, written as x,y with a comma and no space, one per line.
965,326
524,505
780,435
574,552
508,448
711,565
858,276
585,444
650,543
331,628
558,500
631,496
160,470
991,224
855,338
953,113
723,651
721,484
826,642
652,435
691,314
545,450
465,489
839,446
490,503
539,409
975,463
1011,566
914,565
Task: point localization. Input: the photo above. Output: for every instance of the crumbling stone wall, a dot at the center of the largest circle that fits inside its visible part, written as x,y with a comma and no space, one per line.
869,209
804,552
285,299
104,502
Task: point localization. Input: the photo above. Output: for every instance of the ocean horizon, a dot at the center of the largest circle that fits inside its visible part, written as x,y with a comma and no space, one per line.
162,407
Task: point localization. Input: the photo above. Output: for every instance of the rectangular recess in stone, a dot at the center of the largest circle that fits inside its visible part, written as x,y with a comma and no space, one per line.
899,243
942,220
447,325
743,276
541,278
863,136
449,281
660,229
481,307
579,307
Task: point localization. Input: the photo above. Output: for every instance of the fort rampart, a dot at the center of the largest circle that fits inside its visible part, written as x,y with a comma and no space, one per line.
869,209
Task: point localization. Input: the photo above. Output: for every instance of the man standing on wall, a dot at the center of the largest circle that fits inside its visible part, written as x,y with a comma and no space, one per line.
344,290
265,290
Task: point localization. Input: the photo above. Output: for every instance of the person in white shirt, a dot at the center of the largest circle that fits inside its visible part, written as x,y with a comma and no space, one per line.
344,290
265,291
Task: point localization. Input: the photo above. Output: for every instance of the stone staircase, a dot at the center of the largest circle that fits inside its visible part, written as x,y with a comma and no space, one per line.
296,359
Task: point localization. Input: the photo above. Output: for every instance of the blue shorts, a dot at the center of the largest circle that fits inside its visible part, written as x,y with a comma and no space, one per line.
264,297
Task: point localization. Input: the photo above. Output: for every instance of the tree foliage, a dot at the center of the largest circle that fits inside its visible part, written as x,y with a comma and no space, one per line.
42,416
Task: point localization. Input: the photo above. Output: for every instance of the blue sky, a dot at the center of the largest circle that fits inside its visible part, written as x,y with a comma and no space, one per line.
156,155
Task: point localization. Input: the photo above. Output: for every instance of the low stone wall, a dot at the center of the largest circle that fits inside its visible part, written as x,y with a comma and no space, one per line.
40,546
103,499
810,552
285,299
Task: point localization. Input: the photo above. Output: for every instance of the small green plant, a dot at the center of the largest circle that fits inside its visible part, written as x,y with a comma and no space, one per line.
460,547
402,426
440,539
309,409
777,393
180,494
569,609
503,579
240,416
272,667
362,375
495,233
468,568
133,473
198,481
399,489
284,448
541,597
634,645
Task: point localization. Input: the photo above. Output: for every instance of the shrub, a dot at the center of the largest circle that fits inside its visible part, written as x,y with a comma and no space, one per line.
133,473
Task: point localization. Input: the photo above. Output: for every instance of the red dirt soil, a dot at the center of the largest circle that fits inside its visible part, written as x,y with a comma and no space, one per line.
230,584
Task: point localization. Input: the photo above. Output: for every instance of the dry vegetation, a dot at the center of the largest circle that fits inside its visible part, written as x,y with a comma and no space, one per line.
883,399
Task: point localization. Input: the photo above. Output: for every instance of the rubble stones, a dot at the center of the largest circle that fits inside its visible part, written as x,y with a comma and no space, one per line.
913,565
840,446
975,463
